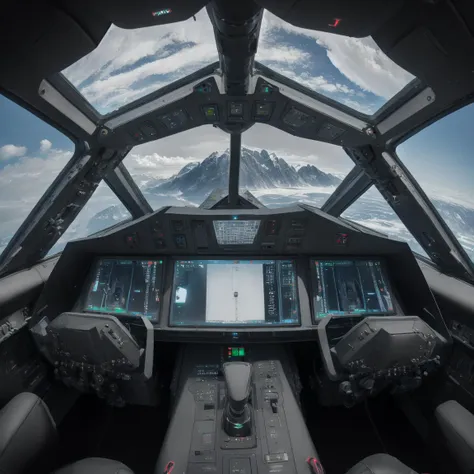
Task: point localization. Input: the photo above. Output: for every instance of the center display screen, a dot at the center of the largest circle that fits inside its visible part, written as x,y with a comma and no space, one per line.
127,287
343,287
234,293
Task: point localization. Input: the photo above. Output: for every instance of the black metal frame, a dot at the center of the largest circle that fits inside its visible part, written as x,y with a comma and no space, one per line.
234,168
125,188
354,185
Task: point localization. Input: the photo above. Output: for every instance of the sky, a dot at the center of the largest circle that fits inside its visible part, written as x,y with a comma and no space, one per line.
131,63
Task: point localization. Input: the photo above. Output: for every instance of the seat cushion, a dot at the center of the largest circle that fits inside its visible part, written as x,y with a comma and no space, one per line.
95,466
27,433
381,464
457,425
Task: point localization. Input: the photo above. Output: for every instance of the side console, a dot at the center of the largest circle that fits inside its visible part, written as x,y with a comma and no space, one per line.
378,352
240,417
96,353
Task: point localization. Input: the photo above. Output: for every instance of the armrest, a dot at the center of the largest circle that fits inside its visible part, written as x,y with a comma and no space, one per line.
27,430
457,425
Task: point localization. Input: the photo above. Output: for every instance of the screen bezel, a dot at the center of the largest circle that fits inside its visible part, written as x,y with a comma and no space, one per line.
313,287
81,302
231,326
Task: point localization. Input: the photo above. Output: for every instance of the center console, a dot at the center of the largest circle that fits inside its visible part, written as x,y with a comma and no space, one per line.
236,416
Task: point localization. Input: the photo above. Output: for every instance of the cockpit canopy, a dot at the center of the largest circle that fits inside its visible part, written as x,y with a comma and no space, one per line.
111,110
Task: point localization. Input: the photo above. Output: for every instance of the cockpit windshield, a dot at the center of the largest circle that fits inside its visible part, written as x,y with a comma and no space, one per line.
129,64
29,163
352,71
311,110
280,169
181,170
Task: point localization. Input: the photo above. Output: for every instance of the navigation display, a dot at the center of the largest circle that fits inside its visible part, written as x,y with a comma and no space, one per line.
234,293
350,288
125,287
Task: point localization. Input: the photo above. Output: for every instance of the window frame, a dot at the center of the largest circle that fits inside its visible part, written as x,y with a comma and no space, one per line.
392,150
15,255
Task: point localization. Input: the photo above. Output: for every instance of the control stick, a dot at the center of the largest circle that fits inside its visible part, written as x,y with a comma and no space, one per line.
237,416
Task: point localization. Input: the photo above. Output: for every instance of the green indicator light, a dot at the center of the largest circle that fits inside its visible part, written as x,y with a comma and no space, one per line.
165,11
235,351
161,261
238,425
241,351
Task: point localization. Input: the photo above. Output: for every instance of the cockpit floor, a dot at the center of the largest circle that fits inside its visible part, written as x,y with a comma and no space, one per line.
132,435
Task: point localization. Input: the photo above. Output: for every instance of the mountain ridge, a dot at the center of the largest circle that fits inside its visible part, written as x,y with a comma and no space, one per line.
258,170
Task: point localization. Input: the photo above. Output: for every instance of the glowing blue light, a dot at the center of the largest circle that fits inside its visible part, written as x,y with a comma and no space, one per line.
235,217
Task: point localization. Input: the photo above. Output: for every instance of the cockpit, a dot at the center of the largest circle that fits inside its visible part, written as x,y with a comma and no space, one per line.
237,247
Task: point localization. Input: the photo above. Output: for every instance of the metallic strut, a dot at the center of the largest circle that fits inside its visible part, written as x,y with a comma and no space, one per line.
236,29
234,168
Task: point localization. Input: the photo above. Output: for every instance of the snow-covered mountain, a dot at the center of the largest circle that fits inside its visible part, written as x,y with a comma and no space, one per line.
275,183
107,217
258,170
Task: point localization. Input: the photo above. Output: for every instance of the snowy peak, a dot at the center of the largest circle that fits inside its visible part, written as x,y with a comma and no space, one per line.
258,170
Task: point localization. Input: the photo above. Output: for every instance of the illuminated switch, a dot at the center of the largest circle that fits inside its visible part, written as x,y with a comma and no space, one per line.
131,240
138,136
342,239
211,113
266,89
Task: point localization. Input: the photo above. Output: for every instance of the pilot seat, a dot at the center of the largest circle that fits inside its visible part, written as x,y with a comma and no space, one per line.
28,438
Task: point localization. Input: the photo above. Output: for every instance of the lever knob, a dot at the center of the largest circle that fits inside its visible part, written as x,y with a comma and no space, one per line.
237,378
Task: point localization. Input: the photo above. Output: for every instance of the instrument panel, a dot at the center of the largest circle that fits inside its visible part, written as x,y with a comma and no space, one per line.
235,294
123,286
249,276
229,292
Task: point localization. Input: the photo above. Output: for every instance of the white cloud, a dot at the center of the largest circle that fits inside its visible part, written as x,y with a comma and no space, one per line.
165,157
282,54
359,59
23,182
156,55
365,64
12,151
45,145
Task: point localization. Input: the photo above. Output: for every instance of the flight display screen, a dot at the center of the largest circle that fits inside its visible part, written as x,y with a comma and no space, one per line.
350,288
125,287
234,293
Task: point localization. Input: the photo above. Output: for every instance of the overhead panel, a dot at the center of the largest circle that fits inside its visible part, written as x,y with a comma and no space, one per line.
201,102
